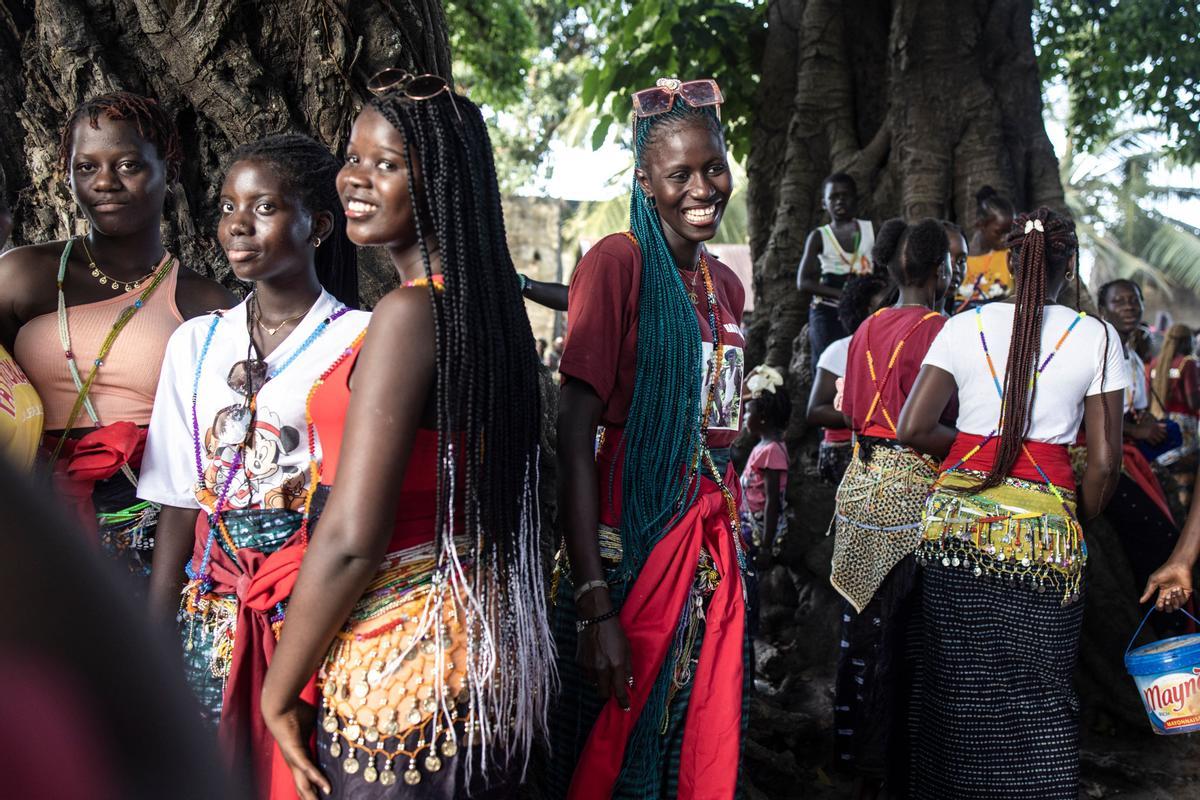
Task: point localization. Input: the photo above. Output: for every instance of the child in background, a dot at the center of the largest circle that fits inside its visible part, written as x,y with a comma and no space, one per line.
764,480
988,276
833,253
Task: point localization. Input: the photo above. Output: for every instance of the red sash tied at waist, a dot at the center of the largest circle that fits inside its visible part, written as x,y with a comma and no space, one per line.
1054,459
260,582
94,457
878,432
708,760
1135,465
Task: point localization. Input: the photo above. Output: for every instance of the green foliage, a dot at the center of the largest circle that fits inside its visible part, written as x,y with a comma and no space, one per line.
1121,56
491,41
646,40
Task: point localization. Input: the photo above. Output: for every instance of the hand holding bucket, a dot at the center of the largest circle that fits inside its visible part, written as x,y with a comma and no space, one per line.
1167,674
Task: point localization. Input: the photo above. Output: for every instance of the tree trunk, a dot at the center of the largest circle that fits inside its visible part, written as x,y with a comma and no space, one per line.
922,102
227,72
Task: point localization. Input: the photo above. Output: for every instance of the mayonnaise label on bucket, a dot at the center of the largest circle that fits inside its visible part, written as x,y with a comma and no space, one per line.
1173,698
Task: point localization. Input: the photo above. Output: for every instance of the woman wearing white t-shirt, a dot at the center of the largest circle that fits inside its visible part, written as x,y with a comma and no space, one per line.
996,715
862,296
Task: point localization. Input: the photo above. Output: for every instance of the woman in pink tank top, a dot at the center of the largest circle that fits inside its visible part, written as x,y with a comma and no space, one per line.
88,318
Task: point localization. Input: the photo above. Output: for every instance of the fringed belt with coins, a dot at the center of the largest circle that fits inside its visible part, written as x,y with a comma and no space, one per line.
1020,531
395,682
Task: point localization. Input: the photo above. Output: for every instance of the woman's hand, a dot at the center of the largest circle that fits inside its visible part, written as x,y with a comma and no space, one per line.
1148,429
603,654
1173,581
292,726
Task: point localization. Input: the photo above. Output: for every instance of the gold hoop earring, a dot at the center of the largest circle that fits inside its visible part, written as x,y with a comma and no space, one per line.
1070,277
316,241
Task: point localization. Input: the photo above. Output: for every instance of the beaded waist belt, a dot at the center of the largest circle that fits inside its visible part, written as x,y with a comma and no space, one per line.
1017,531
395,683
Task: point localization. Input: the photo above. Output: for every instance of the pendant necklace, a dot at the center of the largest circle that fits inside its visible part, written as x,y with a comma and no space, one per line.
105,279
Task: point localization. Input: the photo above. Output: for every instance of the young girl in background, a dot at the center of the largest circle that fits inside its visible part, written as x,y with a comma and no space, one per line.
764,480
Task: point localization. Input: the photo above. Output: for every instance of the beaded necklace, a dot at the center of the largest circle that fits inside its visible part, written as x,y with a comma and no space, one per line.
314,472
856,241
201,576
714,324
1000,391
877,400
84,386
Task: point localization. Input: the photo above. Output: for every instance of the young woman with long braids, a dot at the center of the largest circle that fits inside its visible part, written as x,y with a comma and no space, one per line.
119,295
878,509
650,609
994,714
1175,396
230,456
424,572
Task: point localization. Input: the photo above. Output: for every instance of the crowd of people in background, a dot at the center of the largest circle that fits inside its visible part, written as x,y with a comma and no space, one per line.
337,512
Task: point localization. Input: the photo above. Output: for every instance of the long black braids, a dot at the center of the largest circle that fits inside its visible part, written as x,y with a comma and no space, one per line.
309,169
488,414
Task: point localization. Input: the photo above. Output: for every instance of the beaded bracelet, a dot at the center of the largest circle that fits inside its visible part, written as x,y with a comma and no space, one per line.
523,282
581,624
587,587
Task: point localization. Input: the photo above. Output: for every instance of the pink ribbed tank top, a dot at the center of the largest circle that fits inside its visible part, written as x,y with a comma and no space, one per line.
124,388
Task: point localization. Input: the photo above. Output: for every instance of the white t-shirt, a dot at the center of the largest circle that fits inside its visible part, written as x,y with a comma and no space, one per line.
833,359
1137,394
274,472
1075,372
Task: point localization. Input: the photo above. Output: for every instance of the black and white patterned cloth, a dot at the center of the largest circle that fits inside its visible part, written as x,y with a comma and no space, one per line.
994,711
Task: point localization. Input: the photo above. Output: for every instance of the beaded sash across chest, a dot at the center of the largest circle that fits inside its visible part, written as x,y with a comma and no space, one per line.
1010,531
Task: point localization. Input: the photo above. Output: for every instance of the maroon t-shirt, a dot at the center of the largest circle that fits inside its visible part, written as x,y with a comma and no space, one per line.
600,347
880,334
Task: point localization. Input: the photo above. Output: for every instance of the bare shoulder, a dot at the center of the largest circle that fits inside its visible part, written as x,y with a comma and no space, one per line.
404,311
196,295
27,278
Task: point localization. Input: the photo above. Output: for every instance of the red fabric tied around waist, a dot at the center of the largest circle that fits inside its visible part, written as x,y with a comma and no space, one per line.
1135,465
94,457
878,432
260,582
1054,459
708,761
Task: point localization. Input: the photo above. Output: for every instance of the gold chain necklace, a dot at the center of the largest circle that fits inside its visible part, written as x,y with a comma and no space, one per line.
107,280
273,331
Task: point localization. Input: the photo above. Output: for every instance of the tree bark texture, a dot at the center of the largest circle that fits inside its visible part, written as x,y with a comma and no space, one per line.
922,102
228,72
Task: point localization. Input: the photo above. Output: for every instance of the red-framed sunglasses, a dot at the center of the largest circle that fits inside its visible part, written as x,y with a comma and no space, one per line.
414,87
661,97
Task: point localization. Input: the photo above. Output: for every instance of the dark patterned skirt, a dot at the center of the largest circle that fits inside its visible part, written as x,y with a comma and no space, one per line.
126,527
832,460
994,713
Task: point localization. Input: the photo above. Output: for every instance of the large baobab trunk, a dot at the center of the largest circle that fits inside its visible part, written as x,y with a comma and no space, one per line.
922,102
228,73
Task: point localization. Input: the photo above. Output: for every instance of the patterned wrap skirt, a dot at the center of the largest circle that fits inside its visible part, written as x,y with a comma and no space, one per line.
993,712
832,460
209,628
126,526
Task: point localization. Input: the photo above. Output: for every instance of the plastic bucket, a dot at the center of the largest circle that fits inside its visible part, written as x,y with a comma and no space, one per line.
1167,674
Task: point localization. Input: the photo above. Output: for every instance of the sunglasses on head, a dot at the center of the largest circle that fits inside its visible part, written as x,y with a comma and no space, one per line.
414,87
661,97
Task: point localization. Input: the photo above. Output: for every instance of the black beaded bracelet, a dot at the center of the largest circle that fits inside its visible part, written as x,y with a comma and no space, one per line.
581,624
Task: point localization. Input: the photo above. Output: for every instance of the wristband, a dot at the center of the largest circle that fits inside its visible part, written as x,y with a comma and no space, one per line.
582,624
523,282
587,587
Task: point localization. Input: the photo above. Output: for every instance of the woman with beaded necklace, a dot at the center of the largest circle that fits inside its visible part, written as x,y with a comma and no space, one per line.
119,296
651,600
425,571
230,456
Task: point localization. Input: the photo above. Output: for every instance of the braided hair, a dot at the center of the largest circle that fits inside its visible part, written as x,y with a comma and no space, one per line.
308,169
662,436
1178,342
912,253
488,411
1036,258
855,304
662,433
152,123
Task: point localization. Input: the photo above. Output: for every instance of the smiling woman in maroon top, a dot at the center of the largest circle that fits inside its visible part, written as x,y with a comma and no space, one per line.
653,360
